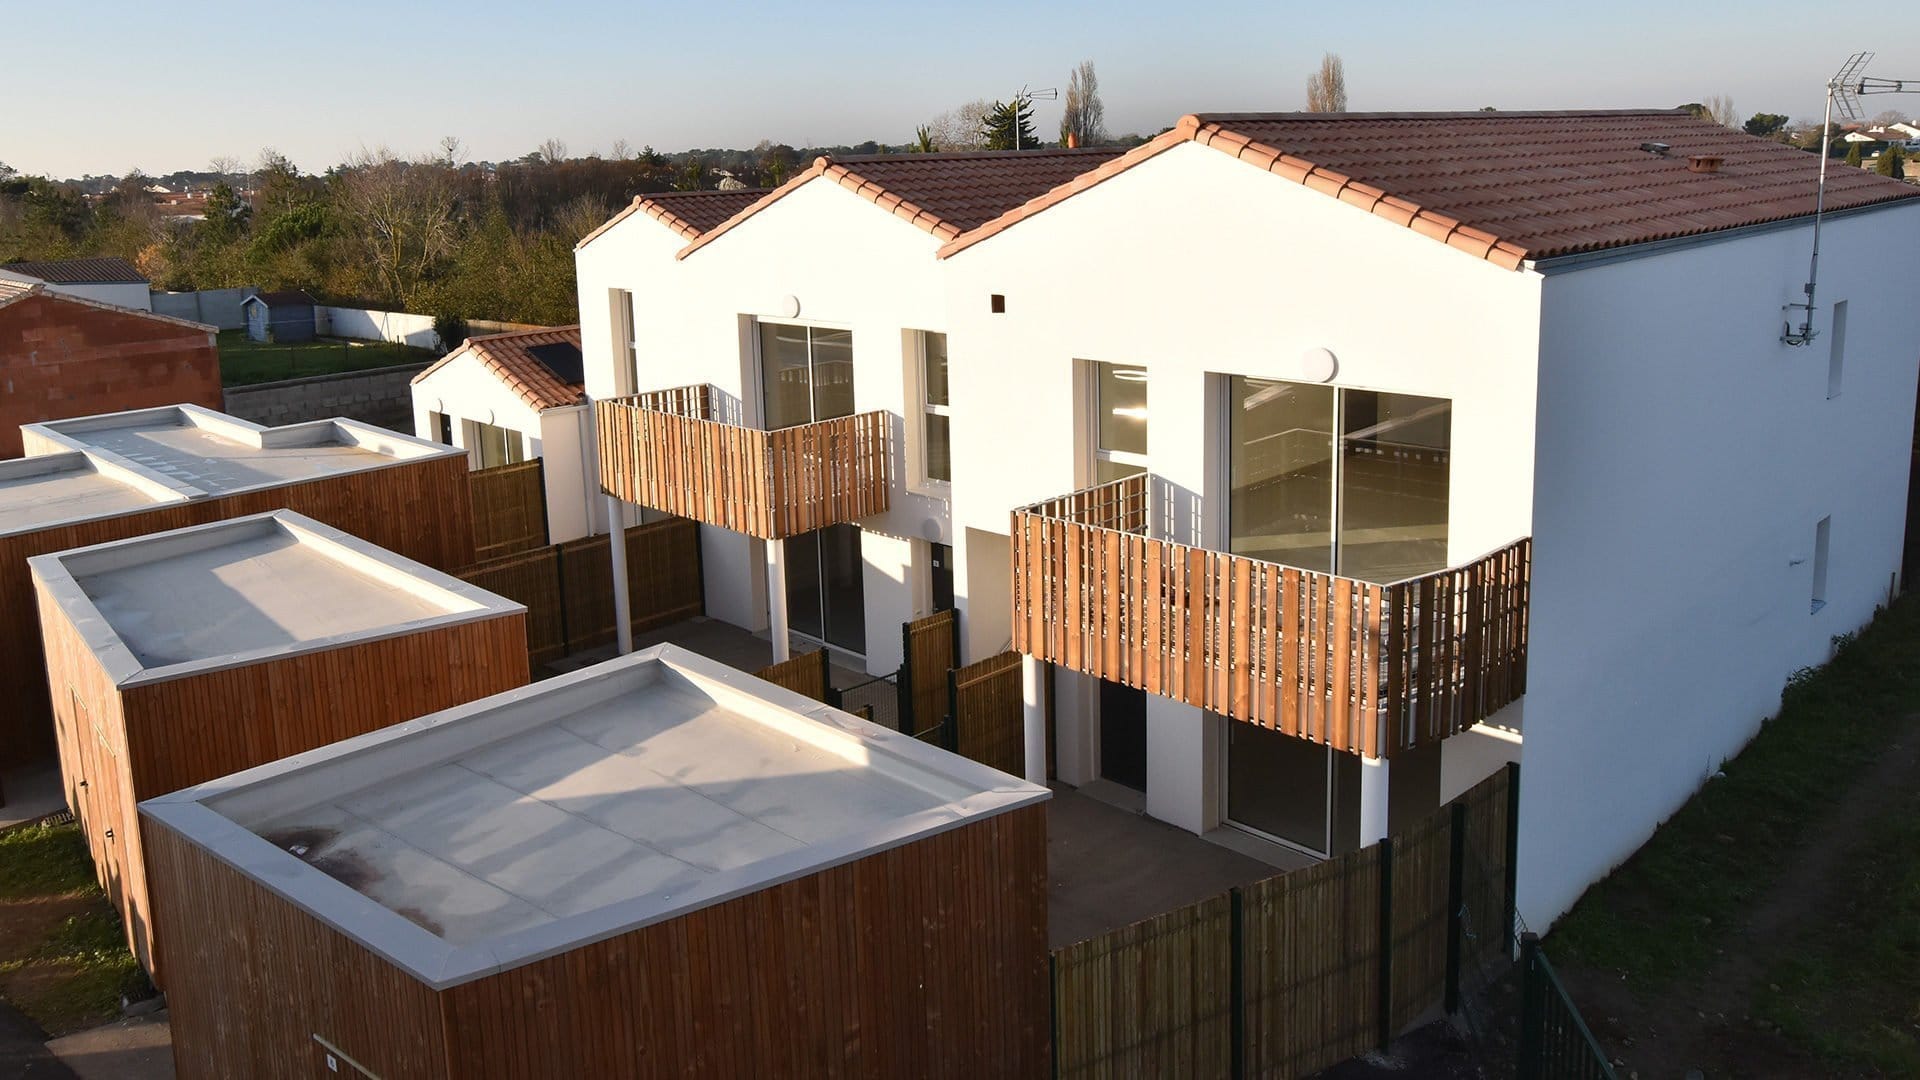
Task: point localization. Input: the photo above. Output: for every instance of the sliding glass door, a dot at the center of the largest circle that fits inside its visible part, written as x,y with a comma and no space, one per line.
806,374
826,597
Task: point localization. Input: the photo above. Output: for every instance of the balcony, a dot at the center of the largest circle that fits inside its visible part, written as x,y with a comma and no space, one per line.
1363,667
663,450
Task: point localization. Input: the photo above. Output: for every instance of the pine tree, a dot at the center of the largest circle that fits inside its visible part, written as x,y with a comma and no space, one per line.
1853,154
1892,163
1004,120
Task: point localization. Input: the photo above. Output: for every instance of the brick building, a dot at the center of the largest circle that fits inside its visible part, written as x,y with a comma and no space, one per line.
63,356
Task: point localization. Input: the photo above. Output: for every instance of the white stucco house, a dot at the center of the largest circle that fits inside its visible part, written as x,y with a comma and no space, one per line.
106,279
507,398
1322,464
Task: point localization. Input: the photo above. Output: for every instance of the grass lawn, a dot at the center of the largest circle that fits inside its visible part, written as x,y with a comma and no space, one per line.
1780,908
243,361
63,959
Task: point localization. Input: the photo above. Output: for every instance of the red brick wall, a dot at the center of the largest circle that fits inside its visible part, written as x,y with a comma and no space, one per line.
60,359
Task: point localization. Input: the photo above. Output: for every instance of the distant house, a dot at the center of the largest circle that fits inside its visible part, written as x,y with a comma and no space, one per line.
279,316
108,280
1911,131
507,398
63,355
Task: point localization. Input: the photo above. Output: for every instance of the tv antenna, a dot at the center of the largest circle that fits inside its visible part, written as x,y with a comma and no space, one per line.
1844,92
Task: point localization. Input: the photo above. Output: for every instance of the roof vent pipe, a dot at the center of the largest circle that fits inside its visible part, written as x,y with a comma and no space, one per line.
1704,163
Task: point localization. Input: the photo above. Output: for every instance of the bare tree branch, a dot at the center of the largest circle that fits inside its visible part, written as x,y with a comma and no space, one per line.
1327,88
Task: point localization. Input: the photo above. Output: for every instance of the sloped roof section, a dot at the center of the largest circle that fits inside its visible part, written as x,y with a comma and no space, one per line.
945,194
525,362
1521,186
285,298
688,213
12,292
9,289
95,271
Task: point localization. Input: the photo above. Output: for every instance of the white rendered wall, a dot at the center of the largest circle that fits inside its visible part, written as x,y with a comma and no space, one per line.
1196,264
1685,456
572,494
137,295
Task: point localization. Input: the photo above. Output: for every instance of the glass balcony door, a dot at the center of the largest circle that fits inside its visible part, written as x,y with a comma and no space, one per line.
806,374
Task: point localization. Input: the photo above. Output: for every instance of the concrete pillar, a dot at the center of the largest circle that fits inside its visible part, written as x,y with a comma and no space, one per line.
777,599
1183,765
617,547
1033,695
1373,800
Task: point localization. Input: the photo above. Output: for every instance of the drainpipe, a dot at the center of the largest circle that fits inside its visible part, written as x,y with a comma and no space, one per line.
617,547
1373,800
777,599
1033,701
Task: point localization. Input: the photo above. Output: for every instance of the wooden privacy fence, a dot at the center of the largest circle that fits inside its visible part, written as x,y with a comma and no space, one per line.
1287,976
509,509
808,674
1362,667
662,450
929,649
988,708
568,588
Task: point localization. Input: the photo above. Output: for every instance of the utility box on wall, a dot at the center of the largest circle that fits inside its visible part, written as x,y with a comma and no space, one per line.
182,656
656,866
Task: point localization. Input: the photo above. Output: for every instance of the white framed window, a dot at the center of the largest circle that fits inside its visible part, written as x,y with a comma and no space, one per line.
806,373
927,384
490,445
1117,407
1822,534
626,346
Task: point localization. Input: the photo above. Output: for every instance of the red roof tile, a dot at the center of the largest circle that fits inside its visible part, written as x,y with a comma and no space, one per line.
510,357
945,194
688,213
1510,187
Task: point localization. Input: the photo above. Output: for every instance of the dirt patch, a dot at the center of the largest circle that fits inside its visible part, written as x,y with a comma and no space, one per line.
38,985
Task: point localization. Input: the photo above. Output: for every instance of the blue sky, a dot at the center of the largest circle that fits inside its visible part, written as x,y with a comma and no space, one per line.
115,84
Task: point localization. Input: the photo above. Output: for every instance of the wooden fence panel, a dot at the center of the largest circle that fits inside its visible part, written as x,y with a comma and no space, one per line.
665,580
989,713
509,509
533,579
1421,857
1311,965
806,674
1151,999
1484,899
929,648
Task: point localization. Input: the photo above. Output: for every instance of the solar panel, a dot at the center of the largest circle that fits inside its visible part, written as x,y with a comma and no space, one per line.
563,359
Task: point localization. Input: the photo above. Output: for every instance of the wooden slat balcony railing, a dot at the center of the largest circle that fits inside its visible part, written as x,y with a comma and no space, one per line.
1363,667
662,450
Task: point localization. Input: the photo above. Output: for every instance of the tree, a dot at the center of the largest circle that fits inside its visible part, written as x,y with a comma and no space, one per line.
404,216
1766,125
923,140
1893,162
451,330
1327,88
692,176
551,151
1084,120
962,128
1853,154
1009,125
450,149
1887,116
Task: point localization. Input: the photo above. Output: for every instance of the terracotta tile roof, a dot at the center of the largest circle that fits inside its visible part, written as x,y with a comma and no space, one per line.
9,289
945,194
688,213
512,358
1510,187
96,271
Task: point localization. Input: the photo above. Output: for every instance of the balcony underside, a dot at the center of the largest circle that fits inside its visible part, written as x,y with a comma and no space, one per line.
1363,667
661,450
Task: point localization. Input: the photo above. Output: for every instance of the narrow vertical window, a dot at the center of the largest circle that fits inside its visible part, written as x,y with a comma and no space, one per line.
626,349
1821,533
1119,421
1836,349
936,455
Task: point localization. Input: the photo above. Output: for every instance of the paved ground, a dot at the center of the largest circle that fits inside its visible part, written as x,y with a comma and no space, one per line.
30,792
23,1053
137,1048
1107,867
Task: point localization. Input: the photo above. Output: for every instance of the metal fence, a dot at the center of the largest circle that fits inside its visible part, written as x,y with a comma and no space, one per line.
1555,1043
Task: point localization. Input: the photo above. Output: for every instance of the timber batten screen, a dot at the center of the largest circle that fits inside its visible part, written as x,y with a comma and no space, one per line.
1362,667
663,450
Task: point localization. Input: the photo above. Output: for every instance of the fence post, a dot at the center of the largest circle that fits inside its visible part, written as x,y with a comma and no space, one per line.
952,722
1456,898
1528,1065
903,683
560,590
546,526
1237,986
827,693
1513,857
1053,999
1386,941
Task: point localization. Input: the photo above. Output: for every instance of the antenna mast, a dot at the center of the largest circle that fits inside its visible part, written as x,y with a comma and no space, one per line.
1843,90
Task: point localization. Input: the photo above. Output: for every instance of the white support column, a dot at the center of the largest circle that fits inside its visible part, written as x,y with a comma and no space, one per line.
777,599
617,548
1033,695
1373,800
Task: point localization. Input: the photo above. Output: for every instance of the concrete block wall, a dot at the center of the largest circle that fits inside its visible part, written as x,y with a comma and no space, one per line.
60,359
381,396
220,307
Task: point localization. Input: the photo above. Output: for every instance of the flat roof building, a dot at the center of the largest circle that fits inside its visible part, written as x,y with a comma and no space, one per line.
655,866
186,655
93,479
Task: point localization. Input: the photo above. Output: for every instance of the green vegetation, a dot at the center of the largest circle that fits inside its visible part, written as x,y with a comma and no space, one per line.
63,956
244,361
1841,982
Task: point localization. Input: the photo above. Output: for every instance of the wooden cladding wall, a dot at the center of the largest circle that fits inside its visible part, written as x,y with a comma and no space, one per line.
988,705
661,450
808,674
418,509
924,960
568,588
118,747
1362,667
509,509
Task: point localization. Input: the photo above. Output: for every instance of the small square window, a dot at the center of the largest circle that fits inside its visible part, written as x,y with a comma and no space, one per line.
999,304
1821,534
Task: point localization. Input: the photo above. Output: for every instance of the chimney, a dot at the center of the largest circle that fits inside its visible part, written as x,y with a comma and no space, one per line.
1073,140
1704,163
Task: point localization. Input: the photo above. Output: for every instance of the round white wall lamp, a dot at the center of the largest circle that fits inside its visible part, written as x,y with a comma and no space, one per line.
1318,365
789,307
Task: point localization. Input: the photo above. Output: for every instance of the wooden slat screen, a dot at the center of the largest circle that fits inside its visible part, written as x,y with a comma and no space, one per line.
805,674
930,647
1310,943
989,713
1151,999
1362,667
661,450
1420,860
509,509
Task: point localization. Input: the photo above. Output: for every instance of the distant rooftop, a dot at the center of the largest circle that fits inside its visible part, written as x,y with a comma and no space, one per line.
625,794
94,271
544,368
245,590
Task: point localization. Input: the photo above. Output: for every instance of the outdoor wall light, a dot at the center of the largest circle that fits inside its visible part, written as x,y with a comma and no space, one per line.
789,307
1318,365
